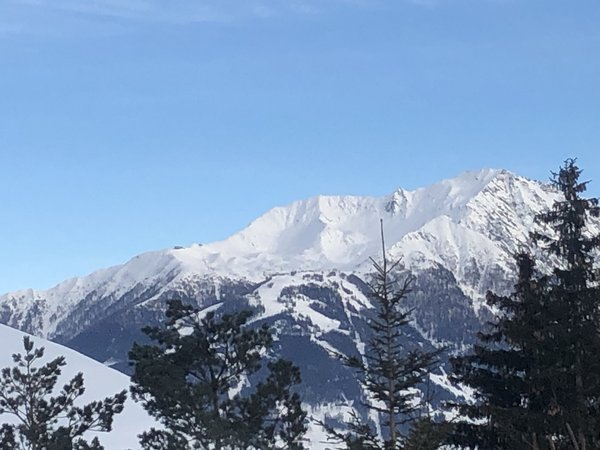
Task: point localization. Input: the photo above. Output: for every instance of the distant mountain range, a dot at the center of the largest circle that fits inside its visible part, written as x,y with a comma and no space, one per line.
302,268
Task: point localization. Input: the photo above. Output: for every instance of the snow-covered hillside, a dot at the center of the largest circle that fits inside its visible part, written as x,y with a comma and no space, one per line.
100,382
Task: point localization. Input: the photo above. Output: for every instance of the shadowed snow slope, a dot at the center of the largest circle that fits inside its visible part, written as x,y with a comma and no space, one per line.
100,382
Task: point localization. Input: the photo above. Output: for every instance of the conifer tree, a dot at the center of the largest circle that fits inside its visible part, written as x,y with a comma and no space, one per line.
537,372
427,434
44,421
388,371
506,370
576,296
192,377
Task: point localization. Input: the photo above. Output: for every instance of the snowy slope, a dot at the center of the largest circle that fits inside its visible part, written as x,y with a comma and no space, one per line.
100,382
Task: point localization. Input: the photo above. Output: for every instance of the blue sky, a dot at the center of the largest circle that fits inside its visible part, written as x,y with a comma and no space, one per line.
132,125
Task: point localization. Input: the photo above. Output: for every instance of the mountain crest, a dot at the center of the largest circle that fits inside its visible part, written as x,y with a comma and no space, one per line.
479,215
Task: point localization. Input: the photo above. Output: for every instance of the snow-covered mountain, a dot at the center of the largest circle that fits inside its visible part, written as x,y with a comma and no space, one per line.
100,382
474,221
301,268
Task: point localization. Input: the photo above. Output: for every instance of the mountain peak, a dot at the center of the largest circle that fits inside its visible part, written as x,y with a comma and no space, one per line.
462,187
341,232
477,209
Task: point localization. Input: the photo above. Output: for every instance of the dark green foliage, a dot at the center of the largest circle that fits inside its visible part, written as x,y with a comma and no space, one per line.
46,422
427,434
189,378
359,436
389,370
576,296
537,372
504,368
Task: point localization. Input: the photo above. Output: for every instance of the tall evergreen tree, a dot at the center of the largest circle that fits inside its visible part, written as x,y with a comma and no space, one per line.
506,370
192,378
537,372
576,293
388,371
44,421
427,434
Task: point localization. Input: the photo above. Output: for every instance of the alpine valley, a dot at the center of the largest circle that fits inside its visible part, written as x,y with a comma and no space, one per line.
302,268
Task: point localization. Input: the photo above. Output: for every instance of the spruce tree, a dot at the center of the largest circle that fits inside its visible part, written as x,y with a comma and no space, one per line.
192,379
537,372
576,294
389,372
427,434
506,370
44,421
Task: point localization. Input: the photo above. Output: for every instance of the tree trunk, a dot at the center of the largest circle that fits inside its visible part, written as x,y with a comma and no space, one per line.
582,445
573,438
534,441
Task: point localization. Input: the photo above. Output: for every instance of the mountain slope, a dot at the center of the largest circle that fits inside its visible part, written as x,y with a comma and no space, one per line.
100,382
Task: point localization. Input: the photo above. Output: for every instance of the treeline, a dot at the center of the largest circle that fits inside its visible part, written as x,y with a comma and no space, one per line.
210,383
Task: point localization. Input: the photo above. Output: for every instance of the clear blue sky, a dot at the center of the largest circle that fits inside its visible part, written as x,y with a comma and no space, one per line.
133,125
